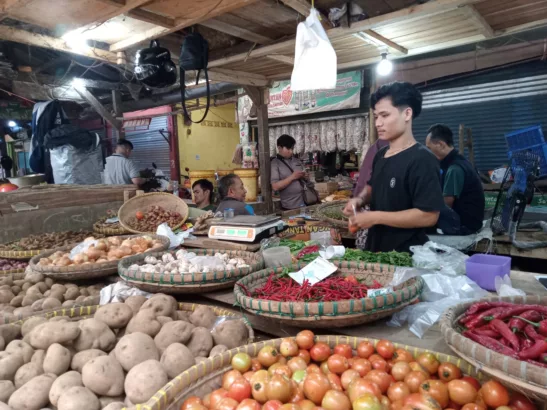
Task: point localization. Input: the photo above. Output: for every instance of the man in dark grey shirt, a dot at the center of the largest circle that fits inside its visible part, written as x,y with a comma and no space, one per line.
119,169
232,195
286,171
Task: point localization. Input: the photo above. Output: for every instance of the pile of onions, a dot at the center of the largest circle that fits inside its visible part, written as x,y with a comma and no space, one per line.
104,250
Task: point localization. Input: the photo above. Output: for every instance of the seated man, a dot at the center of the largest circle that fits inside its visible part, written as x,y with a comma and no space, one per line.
462,187
203,194
232,195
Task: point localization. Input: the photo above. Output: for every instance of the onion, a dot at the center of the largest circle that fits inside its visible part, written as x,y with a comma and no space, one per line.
125,250
101,245
93,253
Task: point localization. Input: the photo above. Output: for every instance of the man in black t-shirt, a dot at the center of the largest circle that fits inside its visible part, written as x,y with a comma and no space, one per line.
404,190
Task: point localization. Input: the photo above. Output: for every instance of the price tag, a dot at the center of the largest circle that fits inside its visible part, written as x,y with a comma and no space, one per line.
371,293
314,272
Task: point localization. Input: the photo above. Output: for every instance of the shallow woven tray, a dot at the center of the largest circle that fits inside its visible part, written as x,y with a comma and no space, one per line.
21,255
520,376
169,202
92,270
11,272
336,222
82,312
109,231
207,376
331,314
189,282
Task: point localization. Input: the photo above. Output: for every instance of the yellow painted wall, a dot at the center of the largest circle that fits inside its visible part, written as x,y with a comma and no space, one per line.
210,144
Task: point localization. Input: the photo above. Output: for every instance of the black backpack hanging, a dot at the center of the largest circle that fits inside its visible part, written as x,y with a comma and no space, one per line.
194,55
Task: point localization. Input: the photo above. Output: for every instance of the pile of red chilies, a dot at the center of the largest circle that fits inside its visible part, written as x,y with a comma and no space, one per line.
328,290
518,331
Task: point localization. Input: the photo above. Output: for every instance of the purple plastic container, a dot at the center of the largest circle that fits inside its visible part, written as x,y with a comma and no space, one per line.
483,269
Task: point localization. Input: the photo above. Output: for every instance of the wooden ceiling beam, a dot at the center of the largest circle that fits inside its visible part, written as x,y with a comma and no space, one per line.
224,6
143,15
521,27
303,7
385,41
239,77
479,21
8,5
235,31
53,43
99,107
122,7
280,58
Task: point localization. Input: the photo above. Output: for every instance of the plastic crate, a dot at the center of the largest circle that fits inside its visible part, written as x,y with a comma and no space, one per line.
525,138
541,152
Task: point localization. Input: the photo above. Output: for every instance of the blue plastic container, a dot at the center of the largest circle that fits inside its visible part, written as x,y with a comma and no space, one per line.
524,138
483,269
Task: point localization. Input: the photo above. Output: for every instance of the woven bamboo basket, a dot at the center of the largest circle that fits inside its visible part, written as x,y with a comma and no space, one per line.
169,202
21,255
109,231
319,213
521,376
83,312
206,377
92,270
189,282
331,314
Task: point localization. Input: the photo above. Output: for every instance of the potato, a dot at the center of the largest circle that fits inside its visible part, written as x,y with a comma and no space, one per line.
161,305
81,358
38,357
203,316
135,348
104,376
62,384
27,372
201,342
26,286
135,302
231,333
78,398
6,296
144,380
45,334
176,359
23,311
24,349
48,282
10,332
7,280
68,304
58,287
117,405
200,359
57,360
6,390
164,319
17,301
33,395
30,299
94,334
2,343
218,349
173,332
9,363
145,322
181,315
106,400
51,303
91,300
59,319
80,299
4,406
31,323
71,293
37,306
34,277
115,315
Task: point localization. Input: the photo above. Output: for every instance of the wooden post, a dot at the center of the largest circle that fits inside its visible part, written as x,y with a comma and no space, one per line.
118,113
260,98
97,106
461,139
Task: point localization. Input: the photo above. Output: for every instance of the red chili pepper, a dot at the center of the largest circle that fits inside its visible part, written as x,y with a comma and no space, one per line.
480,306
539,347
490,343
542,326
504,330
543,357
526,343
531,333
517,325
486,331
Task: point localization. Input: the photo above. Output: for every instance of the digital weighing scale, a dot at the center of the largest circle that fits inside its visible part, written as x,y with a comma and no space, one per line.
246,228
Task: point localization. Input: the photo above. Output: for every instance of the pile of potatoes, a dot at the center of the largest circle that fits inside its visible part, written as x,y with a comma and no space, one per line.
120,357
35,292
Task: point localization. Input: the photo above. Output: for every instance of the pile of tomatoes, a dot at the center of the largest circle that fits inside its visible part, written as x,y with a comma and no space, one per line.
307,375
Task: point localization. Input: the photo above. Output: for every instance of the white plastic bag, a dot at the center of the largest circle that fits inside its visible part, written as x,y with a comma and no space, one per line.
435,256
174,240
314,57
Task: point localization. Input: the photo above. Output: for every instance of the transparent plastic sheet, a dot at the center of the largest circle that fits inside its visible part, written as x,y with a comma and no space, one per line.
119,292
269,242
439,257
504,287
175,240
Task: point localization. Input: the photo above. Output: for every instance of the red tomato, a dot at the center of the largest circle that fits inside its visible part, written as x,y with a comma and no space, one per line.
305,339
241,362
335,382
227,403
268,355
207,400
473,406
255,365
288,347
190,402
313,368
436,389
448,372
402,355
494,394
361,366
297,363
315,387
320,352
335,400
279,388
283,369
385,348
272,405
462,392
297,392
521,402
337,363
306,405
324,367
365,350
240,390
398,391
414,380
304,354
379,365
429,362
471,380
367,402
139,215
380,378
344,349
358,387
454,406
347,377
249,404
396,405
418,368
229,377
217,396
289,406
400,370
374,357
420,401
258,385
248,376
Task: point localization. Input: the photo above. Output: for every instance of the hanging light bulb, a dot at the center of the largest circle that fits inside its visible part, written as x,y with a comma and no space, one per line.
384,67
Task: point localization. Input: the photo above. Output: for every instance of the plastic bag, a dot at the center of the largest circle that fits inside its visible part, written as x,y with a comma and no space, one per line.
299,137
119,292
350,127
504,287
174,240
435,256
307,138
331,136
323,129
315,131
314,57
341,135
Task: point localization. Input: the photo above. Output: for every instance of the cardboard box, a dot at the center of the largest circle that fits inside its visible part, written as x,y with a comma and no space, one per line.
326,187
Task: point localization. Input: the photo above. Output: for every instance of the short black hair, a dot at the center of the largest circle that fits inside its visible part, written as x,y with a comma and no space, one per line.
125,143
441,132
402,95
206,185
225,183
286,141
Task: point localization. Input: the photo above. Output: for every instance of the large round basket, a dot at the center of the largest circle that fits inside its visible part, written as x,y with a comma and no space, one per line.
92,270
322,212
169,202
330,314
97,228
84,312
520,376
189,282
206,377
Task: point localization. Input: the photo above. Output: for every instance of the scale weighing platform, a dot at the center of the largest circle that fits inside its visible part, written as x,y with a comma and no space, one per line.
246,228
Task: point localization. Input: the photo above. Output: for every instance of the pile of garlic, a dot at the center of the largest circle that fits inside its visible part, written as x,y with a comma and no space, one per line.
189,262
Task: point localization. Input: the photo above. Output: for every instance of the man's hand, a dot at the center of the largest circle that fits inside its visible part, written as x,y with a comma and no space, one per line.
352,203
297,175
364,220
